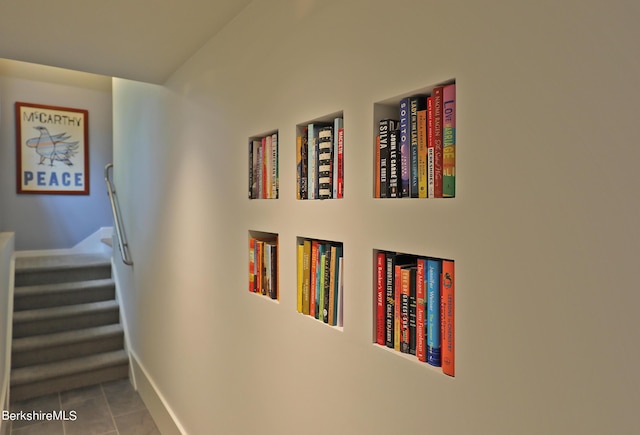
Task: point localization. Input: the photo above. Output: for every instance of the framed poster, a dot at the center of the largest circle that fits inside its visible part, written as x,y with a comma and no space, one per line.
52,150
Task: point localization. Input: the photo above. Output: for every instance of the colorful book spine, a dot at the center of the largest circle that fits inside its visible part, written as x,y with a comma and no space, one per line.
385,126
268,162
394,164
449,141
337,307
312,138
325,161
250,169
390,299
377,168
304,164
431,156
332,286
275,170
312,278
416,104
422,153
340,163
421,345
412,310
405,276
306,276
434,269
448,317
319,281
437,140
252,264
338,143
300,276
405,149
380,299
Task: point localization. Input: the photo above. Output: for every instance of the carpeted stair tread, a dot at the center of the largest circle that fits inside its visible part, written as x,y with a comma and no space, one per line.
42,372
48,295
25,344
63,311
46,262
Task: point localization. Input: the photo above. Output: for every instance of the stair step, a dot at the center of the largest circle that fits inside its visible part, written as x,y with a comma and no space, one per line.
50,269
40,349
57,319
50,295
43,379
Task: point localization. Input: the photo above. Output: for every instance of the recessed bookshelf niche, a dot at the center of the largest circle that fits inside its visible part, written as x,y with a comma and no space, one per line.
320,158
263,264
263,166
415,144
320,272
414,307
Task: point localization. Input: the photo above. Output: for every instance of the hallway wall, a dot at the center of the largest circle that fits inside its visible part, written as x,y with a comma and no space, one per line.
54,221
543,229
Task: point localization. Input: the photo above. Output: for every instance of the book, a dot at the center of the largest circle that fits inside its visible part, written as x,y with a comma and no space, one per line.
298,167
252,264
331,317
416,104
394,164
274,166
272,269
431,157
377,168
251,169
380,298
405,283
299,273
322,275
338,156
268,165
326,292
434,268
422,153
390,266
340,309
303,164
337,291
447,308
325,162
449,141
405,151
312,278
421,345
340,163
312,143
412,310
437,141
306,276
385,126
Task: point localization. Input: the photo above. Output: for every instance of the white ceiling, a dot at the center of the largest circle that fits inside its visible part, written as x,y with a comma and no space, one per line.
144,40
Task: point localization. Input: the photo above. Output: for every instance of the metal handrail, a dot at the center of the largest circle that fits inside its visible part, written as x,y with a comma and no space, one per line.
122,239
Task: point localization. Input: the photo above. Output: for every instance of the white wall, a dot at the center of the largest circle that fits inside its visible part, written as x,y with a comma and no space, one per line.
543,228
54,221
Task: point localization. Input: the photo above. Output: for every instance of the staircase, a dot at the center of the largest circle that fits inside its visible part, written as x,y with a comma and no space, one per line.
66,330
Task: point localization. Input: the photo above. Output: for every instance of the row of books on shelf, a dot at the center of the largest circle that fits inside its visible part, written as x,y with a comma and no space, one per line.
415,152
415,309
320,160
263,167
320,280
263,266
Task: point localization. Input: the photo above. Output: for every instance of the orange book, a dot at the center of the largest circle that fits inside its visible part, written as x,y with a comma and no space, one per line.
447,314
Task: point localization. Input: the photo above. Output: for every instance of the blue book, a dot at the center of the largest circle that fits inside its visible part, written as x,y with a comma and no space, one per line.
434,270
405,151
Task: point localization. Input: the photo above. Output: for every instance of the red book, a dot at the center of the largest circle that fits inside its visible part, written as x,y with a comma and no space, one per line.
313,274
381,281
447,314
437,141
421,345
404,310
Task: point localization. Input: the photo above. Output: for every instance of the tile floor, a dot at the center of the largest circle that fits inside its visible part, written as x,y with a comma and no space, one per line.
112,408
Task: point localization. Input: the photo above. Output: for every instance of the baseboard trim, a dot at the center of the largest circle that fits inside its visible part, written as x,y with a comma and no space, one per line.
162,414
